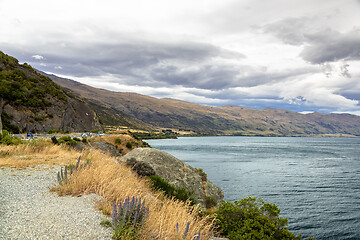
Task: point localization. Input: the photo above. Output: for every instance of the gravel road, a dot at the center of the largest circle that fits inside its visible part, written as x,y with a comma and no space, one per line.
29,211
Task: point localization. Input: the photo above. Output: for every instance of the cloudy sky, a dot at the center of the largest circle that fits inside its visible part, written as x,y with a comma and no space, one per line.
301,55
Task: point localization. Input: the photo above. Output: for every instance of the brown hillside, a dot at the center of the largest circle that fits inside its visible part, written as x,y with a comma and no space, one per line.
235,120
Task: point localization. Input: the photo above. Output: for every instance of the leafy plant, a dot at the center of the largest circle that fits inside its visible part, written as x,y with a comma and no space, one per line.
129,145
54,140
202,174
68,141
252,218
128,218
117,141
210,202
7,139
105,223
170,190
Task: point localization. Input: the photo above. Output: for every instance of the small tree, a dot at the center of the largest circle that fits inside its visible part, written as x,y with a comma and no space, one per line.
252,218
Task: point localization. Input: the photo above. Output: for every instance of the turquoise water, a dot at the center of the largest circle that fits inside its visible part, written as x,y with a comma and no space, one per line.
314,181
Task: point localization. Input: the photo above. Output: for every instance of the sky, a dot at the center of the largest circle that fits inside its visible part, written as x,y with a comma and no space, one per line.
299,55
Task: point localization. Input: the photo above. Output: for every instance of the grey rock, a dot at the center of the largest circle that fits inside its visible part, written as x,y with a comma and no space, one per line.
172,170
142,168
72,116
105,147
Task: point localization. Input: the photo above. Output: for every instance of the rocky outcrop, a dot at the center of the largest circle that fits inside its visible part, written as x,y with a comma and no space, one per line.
106,148
149,161
73,116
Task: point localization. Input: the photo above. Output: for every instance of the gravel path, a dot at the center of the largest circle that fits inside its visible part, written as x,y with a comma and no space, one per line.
29,211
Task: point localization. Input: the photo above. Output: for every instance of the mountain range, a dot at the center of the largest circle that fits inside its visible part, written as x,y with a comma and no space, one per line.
149,113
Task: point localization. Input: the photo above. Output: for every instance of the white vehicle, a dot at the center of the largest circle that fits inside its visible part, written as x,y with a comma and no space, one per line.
86,135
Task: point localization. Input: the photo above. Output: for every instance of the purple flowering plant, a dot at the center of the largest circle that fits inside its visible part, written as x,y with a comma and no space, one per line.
129,217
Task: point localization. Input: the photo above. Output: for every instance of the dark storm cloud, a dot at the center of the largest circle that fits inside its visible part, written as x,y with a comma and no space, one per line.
320,45
143,63
333,47
188,64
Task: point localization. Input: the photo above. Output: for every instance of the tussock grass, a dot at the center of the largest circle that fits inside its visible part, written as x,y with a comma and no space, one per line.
36,152
124,139
115,181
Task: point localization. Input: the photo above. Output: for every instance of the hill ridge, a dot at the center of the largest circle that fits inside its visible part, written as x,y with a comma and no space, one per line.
152,113
30,101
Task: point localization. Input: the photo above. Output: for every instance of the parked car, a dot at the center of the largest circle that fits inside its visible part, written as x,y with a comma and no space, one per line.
86,135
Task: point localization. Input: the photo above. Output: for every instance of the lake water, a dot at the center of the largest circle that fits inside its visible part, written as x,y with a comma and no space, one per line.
314,181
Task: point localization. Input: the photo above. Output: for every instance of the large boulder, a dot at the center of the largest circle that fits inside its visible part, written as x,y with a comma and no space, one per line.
149,161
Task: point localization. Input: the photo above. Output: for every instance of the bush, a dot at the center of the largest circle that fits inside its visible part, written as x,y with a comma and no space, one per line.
117,141
67,140
54,140
179,193
210,202
51,131
129,145
252,218
7,139
202,174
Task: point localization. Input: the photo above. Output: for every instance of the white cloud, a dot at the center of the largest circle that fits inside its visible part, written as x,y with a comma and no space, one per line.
37,57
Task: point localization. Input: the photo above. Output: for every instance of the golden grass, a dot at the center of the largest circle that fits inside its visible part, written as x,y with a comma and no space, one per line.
111,180
124,138
34,153
115,182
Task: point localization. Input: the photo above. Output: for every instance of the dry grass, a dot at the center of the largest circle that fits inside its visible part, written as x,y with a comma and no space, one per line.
111,180
115,182
124,138
34,153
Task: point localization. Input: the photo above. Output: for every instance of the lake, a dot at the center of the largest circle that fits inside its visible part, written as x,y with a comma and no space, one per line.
314,181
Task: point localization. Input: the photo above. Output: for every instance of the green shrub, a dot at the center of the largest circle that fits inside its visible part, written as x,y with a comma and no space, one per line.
67,140
129,145
145,144
202,174
252,218
84,140
210,202
170,190
54,140
117,141
7,139
106,223
51,131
